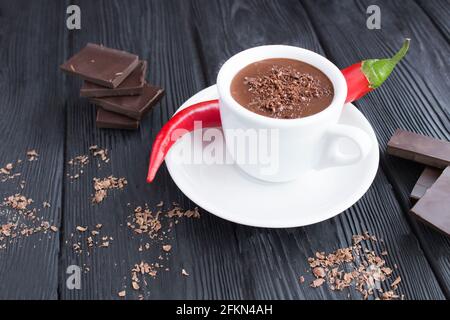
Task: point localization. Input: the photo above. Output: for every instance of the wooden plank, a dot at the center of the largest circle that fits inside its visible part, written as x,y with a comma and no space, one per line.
415,98
273,258
159,32
200,244
32,109
438,11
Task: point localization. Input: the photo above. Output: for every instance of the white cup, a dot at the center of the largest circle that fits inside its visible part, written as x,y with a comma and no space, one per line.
303,144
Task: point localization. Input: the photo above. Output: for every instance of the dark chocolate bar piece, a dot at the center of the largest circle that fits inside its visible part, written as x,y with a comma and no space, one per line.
132,85
132,106
419,148
427,178
111,120
434,207
101,65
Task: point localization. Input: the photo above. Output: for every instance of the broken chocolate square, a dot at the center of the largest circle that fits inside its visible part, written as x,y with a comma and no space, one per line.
101,65
111,120
132,106
419,148
434,207
132,85
426,180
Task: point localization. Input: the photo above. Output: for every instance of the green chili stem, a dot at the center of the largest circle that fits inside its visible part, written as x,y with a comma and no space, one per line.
378,70
402,52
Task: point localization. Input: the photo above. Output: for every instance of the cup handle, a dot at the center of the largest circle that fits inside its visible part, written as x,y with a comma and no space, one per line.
359,137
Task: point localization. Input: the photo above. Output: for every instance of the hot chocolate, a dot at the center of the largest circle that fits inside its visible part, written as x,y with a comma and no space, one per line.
282,88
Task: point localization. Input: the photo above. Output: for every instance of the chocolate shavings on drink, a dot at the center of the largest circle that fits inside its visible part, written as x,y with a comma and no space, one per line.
284,90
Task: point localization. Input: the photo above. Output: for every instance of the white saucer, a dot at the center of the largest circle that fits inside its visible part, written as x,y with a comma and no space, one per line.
227,192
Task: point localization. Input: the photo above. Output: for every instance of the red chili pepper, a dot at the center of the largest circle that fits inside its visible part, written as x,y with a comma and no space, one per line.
365,76
361,78
207,112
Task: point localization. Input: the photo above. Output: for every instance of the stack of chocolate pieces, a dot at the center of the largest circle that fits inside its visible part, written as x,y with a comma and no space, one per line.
432,191
114,80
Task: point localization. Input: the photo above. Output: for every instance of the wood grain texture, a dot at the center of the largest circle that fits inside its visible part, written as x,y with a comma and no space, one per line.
438,12
224,28
32,109
415,97
185,43
156,33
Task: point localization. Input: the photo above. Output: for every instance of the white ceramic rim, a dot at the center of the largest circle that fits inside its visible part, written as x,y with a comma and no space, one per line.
242,59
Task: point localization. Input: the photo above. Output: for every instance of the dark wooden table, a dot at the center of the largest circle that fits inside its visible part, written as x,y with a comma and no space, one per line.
185,43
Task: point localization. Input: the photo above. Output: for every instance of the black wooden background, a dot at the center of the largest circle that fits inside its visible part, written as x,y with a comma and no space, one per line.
185,43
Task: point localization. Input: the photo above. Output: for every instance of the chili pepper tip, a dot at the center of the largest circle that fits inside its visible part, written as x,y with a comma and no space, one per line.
206,112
